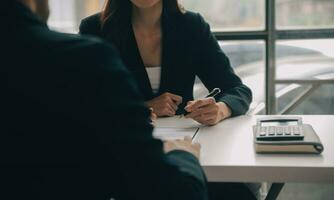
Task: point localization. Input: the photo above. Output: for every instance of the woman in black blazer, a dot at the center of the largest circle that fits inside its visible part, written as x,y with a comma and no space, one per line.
150,34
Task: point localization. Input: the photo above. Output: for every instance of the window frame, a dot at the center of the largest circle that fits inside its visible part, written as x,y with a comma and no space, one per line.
270,35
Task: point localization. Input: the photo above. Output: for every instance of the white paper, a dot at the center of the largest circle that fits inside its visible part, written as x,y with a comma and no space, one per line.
176,122
174,133
172,128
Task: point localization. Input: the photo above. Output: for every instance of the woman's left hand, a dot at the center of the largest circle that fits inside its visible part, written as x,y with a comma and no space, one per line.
153,117
207,111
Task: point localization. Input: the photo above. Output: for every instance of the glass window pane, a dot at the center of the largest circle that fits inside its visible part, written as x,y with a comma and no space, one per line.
66,15
319,102
305,14
247,59
230,15
306,59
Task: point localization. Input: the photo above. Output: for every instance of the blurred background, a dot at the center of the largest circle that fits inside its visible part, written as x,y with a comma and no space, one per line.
283,50
299,61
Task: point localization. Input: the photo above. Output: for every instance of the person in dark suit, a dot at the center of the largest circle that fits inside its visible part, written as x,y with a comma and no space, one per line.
165,48
74,125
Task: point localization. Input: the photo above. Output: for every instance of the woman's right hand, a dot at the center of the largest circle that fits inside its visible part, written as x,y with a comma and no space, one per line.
165,104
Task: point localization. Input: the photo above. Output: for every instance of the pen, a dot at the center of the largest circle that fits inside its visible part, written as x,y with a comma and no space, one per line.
213,93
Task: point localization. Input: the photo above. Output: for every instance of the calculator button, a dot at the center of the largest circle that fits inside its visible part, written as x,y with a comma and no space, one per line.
279,130
296,133
263,134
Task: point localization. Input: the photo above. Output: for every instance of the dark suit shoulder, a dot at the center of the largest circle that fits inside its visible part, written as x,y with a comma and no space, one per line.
192,23
72,42
91,25
193,17
75,51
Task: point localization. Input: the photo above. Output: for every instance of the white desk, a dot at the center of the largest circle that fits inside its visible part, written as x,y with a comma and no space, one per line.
228,154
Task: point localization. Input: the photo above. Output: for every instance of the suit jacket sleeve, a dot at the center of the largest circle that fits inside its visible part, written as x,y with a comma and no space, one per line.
215,70
116,112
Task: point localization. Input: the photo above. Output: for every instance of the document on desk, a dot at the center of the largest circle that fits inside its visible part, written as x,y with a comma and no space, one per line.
174,133
176,122
173,128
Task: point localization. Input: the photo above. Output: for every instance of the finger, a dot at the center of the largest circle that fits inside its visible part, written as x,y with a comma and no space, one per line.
169,111
194,114
189,104
188,139
197,145
204,110
200,103
177,99
154,117
208,101
210,122
211,114
203,119
173,105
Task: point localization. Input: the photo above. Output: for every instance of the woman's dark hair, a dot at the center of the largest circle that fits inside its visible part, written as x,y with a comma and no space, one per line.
123,8
118,12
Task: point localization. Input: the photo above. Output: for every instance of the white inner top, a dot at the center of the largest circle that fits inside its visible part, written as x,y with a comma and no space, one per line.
154,74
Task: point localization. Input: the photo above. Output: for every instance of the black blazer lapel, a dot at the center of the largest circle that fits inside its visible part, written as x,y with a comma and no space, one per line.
172,47
131,56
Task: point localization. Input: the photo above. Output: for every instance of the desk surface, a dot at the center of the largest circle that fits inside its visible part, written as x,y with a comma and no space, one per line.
228,154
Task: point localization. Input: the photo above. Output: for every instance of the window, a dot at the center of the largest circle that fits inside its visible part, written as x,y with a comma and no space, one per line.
248,60
291,52
306,66
305,14
282,49
66,15
305,59
230,15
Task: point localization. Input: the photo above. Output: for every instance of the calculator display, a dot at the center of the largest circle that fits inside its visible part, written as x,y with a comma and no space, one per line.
279,123
279,129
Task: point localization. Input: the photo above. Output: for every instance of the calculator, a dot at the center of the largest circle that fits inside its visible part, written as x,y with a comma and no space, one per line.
279,129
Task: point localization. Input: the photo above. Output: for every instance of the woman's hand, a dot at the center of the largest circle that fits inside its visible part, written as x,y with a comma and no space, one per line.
153,117
165,105
208,111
